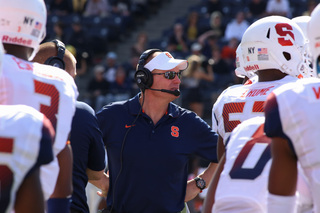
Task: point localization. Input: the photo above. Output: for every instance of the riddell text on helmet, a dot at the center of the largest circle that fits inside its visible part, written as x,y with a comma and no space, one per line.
251,68
16,40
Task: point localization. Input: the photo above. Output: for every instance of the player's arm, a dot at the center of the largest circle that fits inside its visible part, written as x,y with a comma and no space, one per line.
99,179
60,199
209,200
220,148
192,189
282,177
29,197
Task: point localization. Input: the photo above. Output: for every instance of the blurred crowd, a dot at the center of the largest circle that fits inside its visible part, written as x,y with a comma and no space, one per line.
207,36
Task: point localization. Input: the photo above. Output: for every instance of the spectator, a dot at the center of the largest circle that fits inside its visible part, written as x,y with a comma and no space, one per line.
192,28
178,41
121,7
214,5
140,45
121,87
278,7
79,6
311,5
216,27
221,70
59,31
97,8
236,27
110,66
191,83
77,37
196,49
98,88
60,7
257,9
208,44
228,52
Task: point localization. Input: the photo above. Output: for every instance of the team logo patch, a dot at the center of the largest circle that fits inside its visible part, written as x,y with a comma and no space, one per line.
175,131
169,55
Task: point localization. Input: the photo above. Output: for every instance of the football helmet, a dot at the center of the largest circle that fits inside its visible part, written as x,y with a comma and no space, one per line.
275,42
23,23
240,72
302,22
313,32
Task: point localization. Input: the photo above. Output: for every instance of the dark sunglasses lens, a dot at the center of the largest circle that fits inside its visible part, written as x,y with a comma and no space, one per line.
170,75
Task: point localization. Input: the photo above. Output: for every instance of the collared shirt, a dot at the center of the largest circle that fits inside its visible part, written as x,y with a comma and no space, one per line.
148,163
88,152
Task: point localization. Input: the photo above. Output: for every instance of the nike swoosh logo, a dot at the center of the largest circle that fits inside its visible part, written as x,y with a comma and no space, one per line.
128,126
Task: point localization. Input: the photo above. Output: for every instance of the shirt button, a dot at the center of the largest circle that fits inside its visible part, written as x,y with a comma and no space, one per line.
153,131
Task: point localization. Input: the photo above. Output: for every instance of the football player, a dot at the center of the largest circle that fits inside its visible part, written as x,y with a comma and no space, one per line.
292,119
260,51
21,154
47,89
85,136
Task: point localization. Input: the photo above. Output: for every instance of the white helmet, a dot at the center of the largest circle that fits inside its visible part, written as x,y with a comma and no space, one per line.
275,42
313,32
23,22
302,22
240,72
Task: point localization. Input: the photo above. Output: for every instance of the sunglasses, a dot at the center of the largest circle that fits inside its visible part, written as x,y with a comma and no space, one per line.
169,75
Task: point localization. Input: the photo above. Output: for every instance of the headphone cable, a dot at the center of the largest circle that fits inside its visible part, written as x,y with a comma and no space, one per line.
121,152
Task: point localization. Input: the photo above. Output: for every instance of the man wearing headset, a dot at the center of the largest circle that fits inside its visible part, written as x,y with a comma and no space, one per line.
85,136
149,141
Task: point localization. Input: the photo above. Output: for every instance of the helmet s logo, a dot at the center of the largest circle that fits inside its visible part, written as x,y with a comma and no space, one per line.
175,131
285,30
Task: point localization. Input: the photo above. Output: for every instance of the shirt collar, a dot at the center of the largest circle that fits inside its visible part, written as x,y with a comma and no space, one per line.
134,107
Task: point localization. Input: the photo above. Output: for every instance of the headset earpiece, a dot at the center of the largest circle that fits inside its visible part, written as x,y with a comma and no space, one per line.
143,76
57,61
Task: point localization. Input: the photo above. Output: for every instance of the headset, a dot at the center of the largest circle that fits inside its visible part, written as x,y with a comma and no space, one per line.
57,61
143,76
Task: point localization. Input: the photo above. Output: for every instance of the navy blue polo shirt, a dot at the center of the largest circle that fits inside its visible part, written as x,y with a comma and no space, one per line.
149,169
88,152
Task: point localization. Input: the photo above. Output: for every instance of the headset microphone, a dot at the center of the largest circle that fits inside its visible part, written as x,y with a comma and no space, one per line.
175,92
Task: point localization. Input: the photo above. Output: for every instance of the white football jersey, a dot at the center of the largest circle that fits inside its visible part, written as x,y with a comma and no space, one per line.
49,90
299,111
26,138
241,102
242,185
